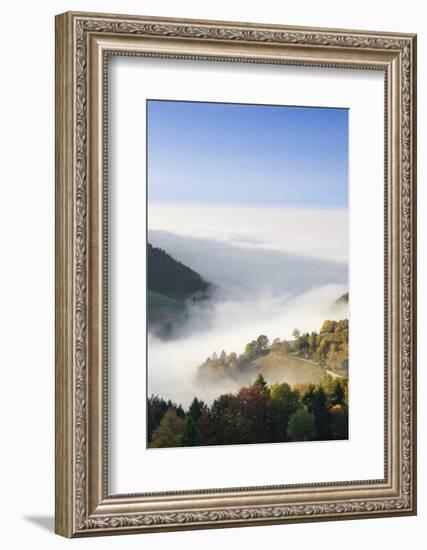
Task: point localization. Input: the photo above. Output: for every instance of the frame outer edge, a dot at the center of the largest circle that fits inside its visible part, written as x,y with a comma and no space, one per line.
72,513
153,19
64,237
414,272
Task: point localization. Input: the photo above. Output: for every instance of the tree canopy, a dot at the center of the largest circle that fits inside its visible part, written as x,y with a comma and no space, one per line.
258,413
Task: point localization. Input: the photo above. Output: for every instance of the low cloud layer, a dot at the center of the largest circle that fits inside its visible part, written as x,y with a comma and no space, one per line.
317,233
240,272
259,289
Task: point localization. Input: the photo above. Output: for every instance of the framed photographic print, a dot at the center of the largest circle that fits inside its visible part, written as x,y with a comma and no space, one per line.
235,274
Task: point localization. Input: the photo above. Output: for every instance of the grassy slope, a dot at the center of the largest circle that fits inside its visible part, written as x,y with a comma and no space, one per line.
155,299
284,368
170,283
162,309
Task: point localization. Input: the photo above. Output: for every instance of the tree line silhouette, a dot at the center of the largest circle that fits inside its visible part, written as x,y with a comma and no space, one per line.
258,413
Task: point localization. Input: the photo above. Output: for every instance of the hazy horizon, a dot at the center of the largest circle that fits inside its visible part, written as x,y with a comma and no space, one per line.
273,228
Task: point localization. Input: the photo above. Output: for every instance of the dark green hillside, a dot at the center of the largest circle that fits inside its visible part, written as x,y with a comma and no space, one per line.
170,284
171,278
162,309
160,300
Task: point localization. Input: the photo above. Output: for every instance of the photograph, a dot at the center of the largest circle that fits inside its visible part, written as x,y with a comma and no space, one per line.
247,273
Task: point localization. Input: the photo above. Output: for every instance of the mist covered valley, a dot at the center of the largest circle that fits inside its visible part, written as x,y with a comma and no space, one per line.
270,271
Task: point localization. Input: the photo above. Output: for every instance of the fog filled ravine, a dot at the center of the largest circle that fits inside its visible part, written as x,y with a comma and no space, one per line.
241,273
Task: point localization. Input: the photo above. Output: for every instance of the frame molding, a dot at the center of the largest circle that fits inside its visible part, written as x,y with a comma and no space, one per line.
83,43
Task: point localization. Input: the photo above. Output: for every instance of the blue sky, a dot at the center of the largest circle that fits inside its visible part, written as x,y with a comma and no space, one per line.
247,154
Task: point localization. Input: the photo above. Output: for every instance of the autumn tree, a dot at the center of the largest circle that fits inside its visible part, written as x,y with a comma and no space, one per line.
156,409
312,342
257,347
328,326
262,343
302,344
335,390
301,388
170,431
250,349
252,419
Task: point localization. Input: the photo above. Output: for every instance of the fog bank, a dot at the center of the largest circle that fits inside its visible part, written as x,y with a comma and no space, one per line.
268,279
317,233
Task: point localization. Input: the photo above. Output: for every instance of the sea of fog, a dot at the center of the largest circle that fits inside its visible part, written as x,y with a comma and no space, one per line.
273,270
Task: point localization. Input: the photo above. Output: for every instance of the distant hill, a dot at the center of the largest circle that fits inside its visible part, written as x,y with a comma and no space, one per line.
170,285
342,299
172,278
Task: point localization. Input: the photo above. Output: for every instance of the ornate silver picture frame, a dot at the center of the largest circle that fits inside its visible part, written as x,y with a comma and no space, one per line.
84,505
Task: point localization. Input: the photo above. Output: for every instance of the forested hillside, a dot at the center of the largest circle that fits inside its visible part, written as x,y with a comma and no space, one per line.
329,347
290,390
302,360
171,278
